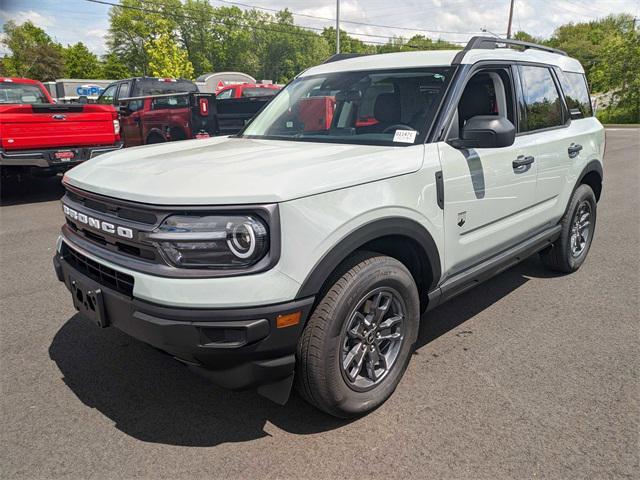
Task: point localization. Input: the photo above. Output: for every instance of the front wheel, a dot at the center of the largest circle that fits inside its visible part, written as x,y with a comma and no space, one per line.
359,339
570,250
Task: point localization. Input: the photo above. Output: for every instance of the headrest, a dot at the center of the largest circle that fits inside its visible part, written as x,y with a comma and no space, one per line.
475,101
387,108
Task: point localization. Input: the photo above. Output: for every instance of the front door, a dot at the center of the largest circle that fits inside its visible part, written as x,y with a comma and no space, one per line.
488,200
130,122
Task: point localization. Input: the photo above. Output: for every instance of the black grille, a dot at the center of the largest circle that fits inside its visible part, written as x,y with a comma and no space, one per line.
121,282
112,208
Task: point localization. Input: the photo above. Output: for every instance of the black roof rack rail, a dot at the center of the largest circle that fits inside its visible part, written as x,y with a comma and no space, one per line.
343,56
492,42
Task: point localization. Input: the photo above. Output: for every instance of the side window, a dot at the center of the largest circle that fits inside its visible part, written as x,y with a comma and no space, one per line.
488,92
541,98
178,101
124,90
135,105
108,95
576,93
225,94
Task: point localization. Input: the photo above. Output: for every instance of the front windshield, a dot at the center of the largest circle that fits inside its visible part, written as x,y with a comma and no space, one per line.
377,107
17,93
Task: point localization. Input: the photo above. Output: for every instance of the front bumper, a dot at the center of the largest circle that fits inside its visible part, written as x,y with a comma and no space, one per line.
46,159
236,348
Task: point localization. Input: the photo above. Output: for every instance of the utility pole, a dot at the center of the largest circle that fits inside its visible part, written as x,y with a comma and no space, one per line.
337,26
510,19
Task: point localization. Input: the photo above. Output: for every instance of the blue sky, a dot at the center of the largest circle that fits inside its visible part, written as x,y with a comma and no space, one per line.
70,21
67,21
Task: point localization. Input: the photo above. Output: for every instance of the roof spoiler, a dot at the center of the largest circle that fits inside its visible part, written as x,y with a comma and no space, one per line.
477,43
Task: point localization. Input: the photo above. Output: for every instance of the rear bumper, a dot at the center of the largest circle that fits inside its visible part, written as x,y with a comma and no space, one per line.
45,158
236,348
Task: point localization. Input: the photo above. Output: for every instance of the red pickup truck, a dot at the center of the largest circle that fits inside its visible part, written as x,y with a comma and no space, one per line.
155,110
38,136
248,90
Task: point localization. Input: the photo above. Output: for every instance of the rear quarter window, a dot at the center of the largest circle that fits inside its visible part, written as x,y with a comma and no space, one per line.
576,93
179,101
259,92
154,86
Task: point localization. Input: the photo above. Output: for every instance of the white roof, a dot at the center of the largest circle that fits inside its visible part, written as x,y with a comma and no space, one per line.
433,58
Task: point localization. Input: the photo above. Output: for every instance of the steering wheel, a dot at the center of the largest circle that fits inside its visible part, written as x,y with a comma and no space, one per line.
398,126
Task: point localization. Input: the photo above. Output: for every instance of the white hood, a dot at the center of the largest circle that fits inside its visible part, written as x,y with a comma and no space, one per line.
226,170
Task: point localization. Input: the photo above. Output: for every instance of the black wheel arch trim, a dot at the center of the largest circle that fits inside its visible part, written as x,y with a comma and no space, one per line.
592,166
397,226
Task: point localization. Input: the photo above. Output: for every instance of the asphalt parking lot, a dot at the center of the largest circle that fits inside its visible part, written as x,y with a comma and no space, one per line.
529,375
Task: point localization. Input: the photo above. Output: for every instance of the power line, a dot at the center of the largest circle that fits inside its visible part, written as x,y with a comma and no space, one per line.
353,22
562,7
255,7
316,29
250,27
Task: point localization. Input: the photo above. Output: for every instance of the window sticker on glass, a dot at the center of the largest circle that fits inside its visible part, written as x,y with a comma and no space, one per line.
405,136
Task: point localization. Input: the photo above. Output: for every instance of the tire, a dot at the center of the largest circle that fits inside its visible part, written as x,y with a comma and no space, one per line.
325,345
155,138
565,255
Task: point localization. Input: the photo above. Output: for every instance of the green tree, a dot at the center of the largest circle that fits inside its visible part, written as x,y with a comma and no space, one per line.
617,72
33,53
285,49
112,68
135,24
348,44
167,58
197,31
526,37
585,40
417,42
79,62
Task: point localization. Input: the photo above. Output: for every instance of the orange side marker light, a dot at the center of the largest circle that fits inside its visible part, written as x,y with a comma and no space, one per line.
288,320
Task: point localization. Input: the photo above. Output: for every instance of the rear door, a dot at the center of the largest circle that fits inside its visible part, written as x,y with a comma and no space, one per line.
488,201
547,122
130,111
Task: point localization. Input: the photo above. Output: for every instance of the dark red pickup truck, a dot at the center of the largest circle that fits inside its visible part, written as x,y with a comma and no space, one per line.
155,110
38,136
167,117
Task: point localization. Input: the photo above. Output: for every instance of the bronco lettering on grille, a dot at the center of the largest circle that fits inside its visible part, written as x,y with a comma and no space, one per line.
98,224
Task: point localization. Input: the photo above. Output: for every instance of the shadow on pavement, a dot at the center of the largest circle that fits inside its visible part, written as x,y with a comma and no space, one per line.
30,190
155,399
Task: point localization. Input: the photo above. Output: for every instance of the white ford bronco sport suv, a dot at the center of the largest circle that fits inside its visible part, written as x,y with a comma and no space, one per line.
305,249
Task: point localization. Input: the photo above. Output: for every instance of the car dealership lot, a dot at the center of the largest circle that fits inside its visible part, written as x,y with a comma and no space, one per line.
530,374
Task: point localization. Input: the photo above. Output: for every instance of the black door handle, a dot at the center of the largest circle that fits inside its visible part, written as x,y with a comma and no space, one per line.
523,161
574,149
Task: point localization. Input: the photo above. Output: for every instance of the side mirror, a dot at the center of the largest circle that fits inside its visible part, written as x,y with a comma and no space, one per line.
83,99
486,131
123,109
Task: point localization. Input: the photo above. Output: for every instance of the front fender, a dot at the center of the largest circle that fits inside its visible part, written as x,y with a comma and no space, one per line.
320,231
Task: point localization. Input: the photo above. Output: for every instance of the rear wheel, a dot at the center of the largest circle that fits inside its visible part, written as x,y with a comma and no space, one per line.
359,339
570,250
155,138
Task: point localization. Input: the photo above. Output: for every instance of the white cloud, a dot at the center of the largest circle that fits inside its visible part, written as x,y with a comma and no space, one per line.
432,18
22,16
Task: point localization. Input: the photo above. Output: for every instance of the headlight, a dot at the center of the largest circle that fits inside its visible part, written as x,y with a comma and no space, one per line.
212,241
